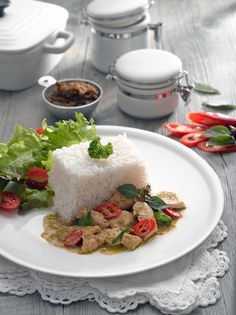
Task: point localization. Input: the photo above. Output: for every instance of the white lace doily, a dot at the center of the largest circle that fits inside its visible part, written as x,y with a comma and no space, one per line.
176,288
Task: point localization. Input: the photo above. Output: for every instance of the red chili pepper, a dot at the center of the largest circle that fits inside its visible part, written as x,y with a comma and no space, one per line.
216,148
211,119
178,129
172,213
73,238
144,228
109,210
192,139
40,131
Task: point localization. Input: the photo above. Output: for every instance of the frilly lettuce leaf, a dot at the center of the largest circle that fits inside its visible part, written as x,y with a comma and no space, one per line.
33,198
68,132
20,153
27,149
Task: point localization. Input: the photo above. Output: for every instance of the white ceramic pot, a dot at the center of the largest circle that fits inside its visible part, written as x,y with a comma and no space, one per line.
32,42
148,83
118,26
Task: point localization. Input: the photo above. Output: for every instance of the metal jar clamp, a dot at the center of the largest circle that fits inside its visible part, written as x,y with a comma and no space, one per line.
183,90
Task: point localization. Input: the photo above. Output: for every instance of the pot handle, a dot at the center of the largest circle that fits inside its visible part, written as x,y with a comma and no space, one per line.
46,81
55,49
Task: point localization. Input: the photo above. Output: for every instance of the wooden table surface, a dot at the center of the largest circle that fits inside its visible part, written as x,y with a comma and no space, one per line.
202,34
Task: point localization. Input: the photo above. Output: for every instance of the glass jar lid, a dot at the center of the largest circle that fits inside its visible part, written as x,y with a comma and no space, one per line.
148,66
27,23
116,13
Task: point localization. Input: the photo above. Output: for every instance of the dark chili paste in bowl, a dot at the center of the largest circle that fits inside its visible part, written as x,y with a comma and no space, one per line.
73,93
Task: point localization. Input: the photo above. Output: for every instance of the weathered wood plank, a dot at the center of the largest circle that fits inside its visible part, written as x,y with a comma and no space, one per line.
202,34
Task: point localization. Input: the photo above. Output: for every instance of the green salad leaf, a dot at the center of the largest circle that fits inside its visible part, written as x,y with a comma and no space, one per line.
27,149
98,151
33,198
67,132
20,153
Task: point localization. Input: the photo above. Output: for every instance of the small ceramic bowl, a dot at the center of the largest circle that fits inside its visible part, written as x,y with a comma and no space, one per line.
66,112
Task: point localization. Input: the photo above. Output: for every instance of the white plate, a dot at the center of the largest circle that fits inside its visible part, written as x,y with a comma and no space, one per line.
172,167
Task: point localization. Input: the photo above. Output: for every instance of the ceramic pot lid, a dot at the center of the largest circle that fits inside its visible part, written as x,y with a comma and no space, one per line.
148,66
26,23
104,10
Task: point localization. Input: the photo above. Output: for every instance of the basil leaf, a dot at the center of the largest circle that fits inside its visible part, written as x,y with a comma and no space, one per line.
128,190
222,140
162,218
204,88
120,235
221,104
216,131
156,203
86,221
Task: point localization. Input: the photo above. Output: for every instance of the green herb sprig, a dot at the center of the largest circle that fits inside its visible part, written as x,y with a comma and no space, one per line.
98,151
120,235
143,194
220,136
86,221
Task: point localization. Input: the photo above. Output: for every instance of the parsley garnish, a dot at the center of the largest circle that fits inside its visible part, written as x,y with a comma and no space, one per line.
98,151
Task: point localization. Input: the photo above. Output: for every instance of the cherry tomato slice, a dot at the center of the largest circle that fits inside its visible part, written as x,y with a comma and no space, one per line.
40,131
172,213
109,210
211,119
73,238
37,178
144,227
192,139
9,202
216,148
178,129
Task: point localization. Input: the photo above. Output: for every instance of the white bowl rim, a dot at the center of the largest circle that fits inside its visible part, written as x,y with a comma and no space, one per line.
73,107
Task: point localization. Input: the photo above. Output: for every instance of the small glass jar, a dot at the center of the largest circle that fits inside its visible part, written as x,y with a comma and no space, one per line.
149,82
118,26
